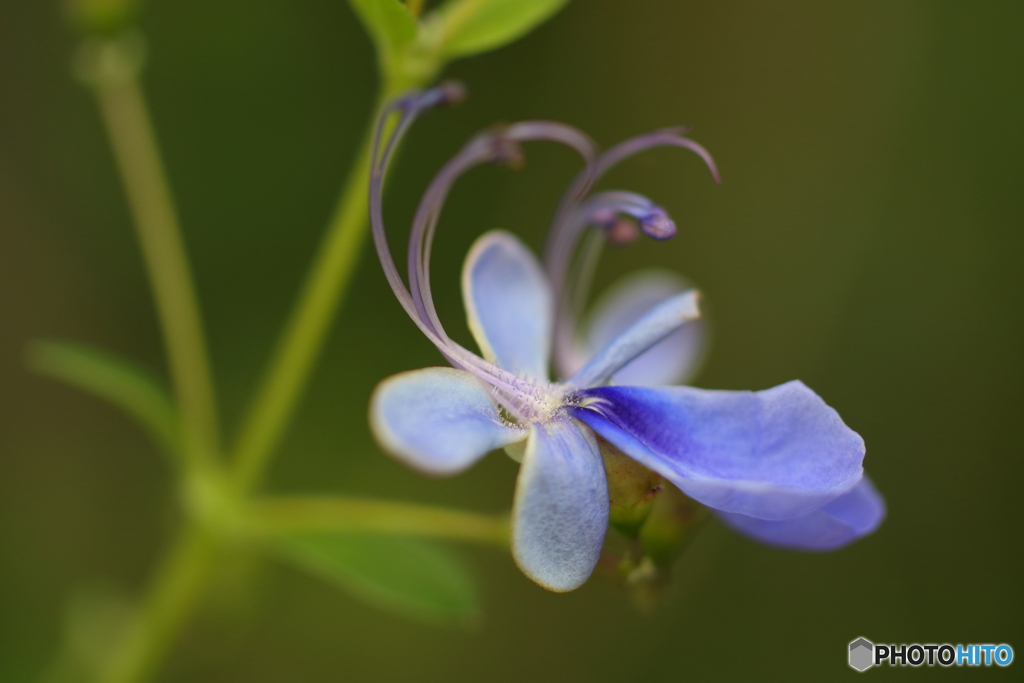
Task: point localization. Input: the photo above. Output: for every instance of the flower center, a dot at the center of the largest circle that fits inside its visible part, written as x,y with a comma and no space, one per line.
524,400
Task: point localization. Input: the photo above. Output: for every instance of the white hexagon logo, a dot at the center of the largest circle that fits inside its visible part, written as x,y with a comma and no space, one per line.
862,654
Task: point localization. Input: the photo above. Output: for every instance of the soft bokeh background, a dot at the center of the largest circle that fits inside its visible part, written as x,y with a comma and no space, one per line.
867,240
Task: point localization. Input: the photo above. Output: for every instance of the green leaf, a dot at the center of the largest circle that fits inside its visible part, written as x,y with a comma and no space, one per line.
466,27
121,382
388,22
97,617
410,577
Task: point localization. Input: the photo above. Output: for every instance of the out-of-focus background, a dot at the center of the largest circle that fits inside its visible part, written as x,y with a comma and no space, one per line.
867,239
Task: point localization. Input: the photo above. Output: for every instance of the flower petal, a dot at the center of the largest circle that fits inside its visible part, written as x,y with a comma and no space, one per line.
674,359
856,513
652,327
771,454
437,420
508,303
560,513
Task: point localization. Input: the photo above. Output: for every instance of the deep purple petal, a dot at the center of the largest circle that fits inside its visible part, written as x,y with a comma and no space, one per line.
508,303
675,358
771,454
437,420
560,513
843,520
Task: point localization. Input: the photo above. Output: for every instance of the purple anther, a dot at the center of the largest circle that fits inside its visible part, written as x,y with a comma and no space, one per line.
658,225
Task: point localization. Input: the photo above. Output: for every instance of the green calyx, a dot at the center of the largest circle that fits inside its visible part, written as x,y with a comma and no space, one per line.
632,490
647,508
671,524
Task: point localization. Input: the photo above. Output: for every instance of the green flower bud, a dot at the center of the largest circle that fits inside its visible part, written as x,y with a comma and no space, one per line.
632,489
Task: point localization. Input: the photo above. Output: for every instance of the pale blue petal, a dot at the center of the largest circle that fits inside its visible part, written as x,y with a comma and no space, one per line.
856,513
673,360
652,327
509,305
437,420
560,513
771,454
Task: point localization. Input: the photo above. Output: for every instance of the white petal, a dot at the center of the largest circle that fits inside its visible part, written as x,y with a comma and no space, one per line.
652,327
437,420
560,513
508,303
673,360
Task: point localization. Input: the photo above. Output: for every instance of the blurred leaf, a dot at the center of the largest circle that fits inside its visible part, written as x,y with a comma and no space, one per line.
389,23
411,577
119,381
466,27
97,617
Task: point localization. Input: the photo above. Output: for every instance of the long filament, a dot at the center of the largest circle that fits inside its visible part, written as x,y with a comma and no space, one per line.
509,389
571,220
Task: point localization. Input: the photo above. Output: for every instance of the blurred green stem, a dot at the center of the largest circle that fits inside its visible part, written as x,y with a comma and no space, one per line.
216,505
307,328
284,515
180,581
174,594
112,71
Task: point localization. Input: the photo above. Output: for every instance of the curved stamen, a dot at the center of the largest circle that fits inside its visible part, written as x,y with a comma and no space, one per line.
479,150
520,398
582,275
554,251
672,137
566,230
496,146
602,210
501,146
552,131
408,107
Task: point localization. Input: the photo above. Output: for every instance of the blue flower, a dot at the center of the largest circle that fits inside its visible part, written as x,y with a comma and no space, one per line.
778,465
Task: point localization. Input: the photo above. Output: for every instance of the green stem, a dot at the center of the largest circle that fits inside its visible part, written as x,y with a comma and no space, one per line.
175,592
308,326
128,125
282,515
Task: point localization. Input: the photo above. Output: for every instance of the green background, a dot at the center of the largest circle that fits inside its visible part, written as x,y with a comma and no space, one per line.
867,239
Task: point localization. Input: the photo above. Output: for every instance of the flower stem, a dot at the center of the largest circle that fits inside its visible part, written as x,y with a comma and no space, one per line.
282,515
134,144
310,321
174,594
181,578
